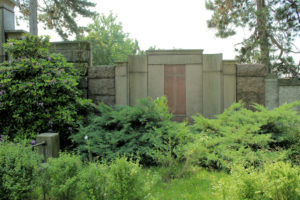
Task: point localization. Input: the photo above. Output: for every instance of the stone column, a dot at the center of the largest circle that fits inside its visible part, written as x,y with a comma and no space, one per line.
271,92
7,22
251,84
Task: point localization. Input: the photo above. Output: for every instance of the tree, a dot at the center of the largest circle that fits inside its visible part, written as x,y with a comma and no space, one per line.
110,43
274,25
60,15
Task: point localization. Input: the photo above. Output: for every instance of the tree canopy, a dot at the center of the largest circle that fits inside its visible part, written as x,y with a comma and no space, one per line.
110,43
274,26
60,15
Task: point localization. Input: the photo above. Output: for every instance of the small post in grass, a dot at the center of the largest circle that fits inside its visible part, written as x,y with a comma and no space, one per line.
48,145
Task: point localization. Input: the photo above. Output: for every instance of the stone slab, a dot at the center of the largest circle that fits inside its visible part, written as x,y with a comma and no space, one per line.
288,94
108,100
137,87
229,67
229,90
156,81
137,63
176,52
194,89
212,62
51,148
289,82
212,94
251,90
272,93
101,87
102,71
121,81
174,59
254,70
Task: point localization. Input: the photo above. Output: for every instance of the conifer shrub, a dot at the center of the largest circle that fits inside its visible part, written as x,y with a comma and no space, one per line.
137,132
243,136
38,91
19,167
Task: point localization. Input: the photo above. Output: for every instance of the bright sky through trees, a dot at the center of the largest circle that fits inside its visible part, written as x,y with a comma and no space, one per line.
168,24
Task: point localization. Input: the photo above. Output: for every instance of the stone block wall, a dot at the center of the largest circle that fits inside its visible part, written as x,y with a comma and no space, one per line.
101,84
280,91
250,84
79,54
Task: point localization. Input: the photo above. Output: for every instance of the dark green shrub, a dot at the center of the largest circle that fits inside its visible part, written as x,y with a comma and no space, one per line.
277,181
60,177
126,181
38,91
19,167
244,136
135,132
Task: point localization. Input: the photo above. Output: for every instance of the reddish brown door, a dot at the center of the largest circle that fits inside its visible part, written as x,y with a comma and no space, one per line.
175,90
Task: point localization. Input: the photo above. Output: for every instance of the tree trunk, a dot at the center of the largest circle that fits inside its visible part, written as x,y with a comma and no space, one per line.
33,25
263,33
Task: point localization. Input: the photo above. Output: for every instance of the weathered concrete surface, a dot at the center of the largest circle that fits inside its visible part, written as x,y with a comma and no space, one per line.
251,84
137,87
288,94
51,148
103,71
229,72
102,87
109,100
137,63
194,89
121,83
156,81
174,59
212,85
271,92
251,70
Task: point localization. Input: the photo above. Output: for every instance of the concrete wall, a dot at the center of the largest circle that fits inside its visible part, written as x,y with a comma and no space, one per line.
209,83
280,91
250,84
78,53
101,84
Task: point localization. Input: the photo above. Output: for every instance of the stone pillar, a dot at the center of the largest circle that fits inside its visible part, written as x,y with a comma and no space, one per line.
49,145
251,84
121,83
7,22
271,92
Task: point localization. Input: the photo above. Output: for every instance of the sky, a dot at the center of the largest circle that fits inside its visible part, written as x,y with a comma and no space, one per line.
166,24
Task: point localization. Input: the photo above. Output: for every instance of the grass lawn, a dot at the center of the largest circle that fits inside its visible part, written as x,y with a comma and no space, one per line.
196,184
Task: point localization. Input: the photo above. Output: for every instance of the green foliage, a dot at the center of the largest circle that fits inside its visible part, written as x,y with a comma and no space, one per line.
18,171
243,136
277,181
274,25
131,131
110,43
93,181
60,177
126,181
38,91
59,15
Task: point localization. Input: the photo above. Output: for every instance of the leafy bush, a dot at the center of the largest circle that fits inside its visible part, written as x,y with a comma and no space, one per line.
277,181
93,181
126,181
38,91
60,177
243,136
135,132
18,171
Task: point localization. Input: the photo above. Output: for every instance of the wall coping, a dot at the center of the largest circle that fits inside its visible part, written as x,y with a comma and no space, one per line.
289,82
8,4
175,52
251,70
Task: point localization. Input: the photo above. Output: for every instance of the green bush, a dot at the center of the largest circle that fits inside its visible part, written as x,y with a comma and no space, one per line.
126,181
60,177
277,181
19,167
243,136
135,132
38,91
93,181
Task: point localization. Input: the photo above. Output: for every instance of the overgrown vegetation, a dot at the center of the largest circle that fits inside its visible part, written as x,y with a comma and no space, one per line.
38,91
